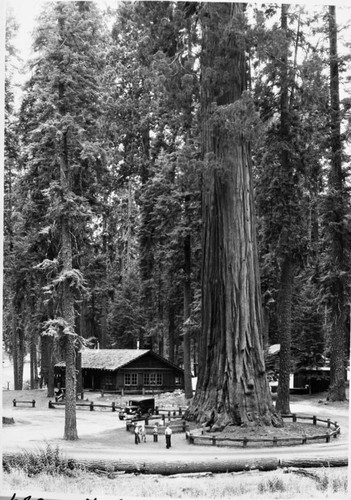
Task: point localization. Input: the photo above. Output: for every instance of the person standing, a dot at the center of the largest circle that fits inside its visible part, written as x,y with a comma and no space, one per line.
155,433
136,434
143,433
168,434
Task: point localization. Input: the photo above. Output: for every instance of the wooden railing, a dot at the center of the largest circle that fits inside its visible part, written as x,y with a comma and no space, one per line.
177,425
215,440
91,406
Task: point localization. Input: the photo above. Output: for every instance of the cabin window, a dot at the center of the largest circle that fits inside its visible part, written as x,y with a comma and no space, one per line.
177,380
153,378
130,379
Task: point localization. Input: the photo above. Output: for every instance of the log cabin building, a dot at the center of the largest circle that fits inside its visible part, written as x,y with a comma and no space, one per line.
127,371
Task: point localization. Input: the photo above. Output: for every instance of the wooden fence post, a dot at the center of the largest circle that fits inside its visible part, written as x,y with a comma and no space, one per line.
33,403
294,417
14,402
91,406
113,406
314,420
245,440
213,440
275,441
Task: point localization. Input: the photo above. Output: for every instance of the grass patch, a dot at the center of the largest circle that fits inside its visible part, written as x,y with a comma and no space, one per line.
245,485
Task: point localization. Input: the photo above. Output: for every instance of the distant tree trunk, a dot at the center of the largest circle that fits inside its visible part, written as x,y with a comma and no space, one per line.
21,356
33,361
103,323
171,332
284,327
47,376
104,297
187,309
18,344
286,279
68,315
16,378
335,228
232,385
51,367
79,372
146,241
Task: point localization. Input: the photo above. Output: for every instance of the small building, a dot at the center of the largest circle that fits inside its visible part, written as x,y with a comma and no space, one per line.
313,379
303,380
128,371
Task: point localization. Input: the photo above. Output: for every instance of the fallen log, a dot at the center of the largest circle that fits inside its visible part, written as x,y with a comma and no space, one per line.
172,467
307,462
154,465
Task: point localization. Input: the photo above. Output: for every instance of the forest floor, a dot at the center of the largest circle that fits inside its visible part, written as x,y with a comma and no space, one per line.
102,436
102,419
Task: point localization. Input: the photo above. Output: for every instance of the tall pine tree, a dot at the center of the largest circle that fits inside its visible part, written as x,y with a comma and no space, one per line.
65,157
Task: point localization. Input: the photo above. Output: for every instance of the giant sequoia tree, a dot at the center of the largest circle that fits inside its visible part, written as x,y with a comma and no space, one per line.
232,384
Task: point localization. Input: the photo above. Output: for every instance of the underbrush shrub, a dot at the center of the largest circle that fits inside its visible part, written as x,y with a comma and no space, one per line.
334,484
47,460
271,485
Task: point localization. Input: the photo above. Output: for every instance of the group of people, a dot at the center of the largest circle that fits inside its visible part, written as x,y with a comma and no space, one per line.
140,434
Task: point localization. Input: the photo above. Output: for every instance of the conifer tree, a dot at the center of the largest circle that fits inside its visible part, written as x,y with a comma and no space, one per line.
336,229
64,160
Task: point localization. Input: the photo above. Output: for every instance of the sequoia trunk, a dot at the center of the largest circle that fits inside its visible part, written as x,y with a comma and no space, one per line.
232,385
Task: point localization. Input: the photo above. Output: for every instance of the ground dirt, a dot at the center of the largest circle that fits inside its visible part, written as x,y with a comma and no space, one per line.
31,423
102,436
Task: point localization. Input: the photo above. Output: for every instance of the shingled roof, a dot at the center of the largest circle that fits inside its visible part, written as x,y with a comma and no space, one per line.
108,359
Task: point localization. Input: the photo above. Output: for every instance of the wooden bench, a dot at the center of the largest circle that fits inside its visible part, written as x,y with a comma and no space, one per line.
16,402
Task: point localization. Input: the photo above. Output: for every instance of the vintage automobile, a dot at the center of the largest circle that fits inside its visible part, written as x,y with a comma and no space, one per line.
129,412
137,409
